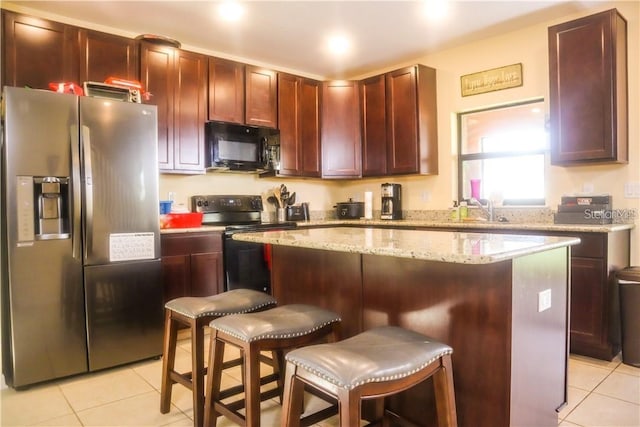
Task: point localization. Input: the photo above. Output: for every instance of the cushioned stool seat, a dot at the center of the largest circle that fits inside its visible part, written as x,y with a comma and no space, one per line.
278,329
376,363
196,313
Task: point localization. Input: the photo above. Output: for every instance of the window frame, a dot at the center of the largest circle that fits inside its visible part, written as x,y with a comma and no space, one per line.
496,155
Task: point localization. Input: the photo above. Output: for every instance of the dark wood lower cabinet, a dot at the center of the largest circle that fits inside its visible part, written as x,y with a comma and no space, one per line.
192,264
509,360
595,309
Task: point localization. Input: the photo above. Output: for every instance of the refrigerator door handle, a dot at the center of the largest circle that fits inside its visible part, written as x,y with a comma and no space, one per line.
88,189
76,193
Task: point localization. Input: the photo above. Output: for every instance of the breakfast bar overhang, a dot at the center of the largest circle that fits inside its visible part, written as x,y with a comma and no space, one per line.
501,301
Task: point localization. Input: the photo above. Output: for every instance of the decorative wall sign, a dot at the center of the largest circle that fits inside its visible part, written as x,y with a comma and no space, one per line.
491,80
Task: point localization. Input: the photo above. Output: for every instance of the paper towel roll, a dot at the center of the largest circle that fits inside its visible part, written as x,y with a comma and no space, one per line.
368,205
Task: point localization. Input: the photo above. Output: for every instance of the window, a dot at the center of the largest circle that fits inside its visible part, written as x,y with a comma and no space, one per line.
504,148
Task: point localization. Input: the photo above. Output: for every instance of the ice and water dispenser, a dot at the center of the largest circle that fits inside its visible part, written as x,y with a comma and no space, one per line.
43,208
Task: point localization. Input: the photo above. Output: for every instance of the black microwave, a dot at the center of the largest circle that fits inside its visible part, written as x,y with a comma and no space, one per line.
239,148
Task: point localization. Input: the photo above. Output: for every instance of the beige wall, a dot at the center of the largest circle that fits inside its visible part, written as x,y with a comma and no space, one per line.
527,46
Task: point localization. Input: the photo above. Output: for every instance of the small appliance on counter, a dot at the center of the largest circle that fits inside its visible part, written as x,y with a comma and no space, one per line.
349,210
584,210
391,201
298,212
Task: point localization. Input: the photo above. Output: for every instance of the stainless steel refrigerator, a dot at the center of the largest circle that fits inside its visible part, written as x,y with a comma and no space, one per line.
81,279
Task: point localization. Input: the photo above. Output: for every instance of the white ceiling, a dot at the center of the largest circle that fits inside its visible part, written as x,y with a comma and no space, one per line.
290,34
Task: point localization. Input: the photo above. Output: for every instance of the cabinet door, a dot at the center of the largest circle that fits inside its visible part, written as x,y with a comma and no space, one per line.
176,276
157,75
588,301
309,114
261,104
206,270
290,147
189,111
299,124
38,52
374,128
402,122
588,90
341,144
226,90
105,55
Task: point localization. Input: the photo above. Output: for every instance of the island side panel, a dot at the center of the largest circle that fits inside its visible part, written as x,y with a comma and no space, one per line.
326,279
466,306
540,337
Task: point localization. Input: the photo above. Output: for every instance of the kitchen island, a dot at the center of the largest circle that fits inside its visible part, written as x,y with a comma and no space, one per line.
499,300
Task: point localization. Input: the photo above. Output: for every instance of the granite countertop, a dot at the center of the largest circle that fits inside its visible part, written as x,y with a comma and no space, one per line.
445,246
474,224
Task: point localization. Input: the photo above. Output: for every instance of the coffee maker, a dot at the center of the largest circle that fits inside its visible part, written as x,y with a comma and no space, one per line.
391,201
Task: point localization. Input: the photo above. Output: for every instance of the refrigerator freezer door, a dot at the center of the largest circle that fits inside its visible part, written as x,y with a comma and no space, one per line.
124,312
43,312
120,177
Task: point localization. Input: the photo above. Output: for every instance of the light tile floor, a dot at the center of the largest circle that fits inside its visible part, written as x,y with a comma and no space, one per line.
602,394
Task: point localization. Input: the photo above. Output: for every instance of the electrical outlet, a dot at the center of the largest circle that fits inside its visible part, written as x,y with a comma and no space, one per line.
587,188
632,190
544,300
425,196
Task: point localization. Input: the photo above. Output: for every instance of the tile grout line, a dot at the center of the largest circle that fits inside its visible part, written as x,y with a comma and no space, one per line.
589,392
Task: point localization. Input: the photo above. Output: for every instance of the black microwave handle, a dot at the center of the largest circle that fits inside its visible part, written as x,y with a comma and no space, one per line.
265,151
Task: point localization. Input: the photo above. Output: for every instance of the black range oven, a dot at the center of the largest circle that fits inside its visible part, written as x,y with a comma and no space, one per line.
246,265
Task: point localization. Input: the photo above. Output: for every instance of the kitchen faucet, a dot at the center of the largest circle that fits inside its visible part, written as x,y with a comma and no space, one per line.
488,210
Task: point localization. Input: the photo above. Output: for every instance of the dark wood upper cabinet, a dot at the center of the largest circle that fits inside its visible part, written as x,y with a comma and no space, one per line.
177,81
299,124
105,55
261,92
190,111
37,52
588,90
156,74
399,122
310,118
374,127
226,90
341,140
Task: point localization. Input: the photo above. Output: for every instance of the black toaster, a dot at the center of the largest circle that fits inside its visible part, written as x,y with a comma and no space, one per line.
298,212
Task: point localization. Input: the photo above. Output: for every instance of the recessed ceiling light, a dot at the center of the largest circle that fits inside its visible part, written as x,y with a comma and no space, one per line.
436,10
231,11
338,44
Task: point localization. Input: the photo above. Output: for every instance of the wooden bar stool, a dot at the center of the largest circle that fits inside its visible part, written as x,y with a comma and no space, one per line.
276,330
196,313
371,365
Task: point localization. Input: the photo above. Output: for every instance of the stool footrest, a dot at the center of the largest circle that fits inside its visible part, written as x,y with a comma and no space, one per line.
182,379
318,416
230,410
232,391
230,364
